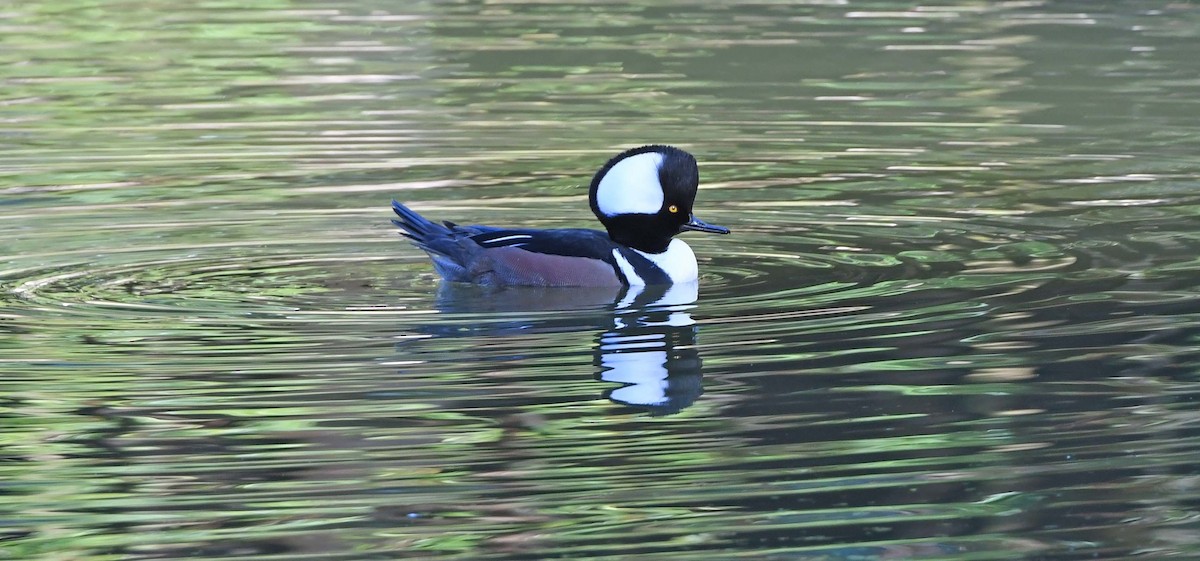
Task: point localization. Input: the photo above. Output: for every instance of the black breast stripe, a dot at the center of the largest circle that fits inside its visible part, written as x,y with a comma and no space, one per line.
651,274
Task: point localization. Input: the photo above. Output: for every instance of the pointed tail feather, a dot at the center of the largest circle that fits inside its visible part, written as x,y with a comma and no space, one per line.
416,227
435,239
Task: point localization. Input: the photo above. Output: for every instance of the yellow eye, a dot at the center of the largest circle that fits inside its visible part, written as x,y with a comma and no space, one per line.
672,209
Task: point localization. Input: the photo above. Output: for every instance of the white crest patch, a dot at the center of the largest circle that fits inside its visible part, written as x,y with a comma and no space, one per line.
631,186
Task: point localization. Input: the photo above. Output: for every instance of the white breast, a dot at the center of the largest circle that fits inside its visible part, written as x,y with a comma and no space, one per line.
677,261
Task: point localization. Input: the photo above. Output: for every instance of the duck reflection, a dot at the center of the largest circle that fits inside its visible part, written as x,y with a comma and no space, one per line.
645,342
651,349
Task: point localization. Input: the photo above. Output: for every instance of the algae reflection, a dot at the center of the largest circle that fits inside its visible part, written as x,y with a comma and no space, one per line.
642,338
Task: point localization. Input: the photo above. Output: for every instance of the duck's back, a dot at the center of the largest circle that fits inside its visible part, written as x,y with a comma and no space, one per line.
562,257
513,257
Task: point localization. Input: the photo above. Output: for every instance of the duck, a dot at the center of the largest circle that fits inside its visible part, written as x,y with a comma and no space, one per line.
643,197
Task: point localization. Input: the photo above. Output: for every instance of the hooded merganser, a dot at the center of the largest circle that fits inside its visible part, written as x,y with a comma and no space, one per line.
643,196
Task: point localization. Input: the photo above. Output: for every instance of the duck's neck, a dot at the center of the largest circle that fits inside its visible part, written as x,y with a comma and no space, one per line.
641,232
642,243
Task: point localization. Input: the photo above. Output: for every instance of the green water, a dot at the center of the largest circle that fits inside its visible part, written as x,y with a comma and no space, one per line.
958,317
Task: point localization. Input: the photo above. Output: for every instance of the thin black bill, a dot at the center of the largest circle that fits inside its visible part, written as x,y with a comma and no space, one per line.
697,225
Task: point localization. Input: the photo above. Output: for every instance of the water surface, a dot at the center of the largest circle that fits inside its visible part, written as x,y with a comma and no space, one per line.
957,319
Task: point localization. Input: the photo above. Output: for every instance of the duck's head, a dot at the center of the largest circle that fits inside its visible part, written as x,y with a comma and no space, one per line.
644,196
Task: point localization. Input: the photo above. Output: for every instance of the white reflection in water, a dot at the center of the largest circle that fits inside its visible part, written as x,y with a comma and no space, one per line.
652,349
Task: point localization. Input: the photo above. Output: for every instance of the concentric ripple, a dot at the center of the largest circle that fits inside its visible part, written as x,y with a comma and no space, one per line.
191,280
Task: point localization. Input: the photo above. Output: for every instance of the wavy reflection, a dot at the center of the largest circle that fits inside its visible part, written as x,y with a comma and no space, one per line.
645,341
651,350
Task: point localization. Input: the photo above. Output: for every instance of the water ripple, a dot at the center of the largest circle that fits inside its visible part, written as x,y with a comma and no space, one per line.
957,318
